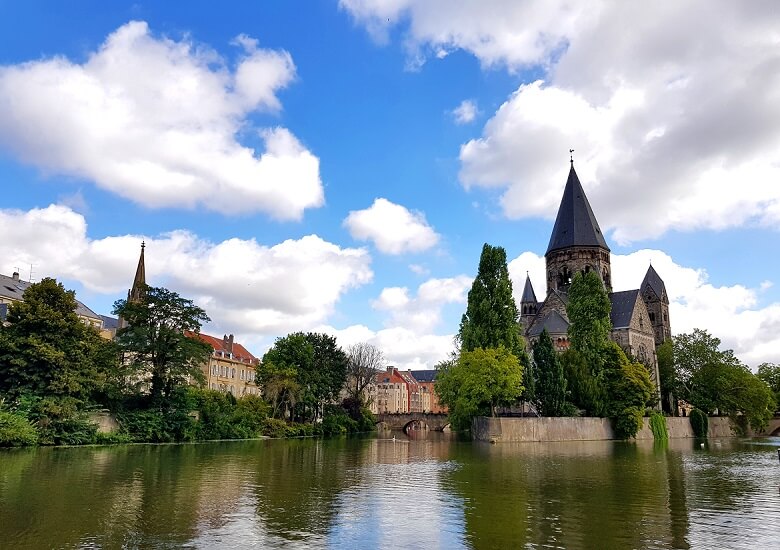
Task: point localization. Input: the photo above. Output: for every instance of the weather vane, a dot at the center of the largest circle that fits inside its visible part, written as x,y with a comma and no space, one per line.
571,156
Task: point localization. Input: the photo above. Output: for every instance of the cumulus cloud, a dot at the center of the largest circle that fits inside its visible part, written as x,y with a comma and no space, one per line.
156,120
393,228
681,110
422,312
733,313
245,287
465,112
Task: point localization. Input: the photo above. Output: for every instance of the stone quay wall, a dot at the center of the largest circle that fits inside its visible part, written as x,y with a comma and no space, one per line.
580,428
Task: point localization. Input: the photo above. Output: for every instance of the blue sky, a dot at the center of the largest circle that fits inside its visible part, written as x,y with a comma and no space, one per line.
337,166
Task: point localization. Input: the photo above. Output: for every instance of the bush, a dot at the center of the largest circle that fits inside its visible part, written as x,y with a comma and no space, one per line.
699,423
658,426
274,427
627,423
16,430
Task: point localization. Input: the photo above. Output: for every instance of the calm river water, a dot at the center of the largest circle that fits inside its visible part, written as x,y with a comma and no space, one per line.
433,492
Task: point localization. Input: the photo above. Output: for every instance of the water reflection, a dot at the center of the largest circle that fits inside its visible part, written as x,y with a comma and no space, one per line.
426,490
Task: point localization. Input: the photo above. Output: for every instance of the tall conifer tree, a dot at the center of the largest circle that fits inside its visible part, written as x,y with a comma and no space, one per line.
588,311
550,380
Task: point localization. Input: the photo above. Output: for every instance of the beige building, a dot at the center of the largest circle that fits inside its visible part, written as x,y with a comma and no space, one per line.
231,368
392,393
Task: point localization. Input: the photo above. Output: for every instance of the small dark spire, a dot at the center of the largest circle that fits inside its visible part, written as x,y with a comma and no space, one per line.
571,157
143,245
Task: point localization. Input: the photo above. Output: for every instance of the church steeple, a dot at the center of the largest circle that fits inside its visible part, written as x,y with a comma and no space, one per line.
136,294
576,243
529,306
575,224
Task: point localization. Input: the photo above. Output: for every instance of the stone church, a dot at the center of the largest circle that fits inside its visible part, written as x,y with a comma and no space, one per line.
640,317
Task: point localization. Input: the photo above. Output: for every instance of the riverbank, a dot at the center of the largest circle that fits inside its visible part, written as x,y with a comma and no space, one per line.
544,429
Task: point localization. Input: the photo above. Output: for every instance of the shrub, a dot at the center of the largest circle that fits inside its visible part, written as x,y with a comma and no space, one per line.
627,423
274,427
658,426
16,430
699,423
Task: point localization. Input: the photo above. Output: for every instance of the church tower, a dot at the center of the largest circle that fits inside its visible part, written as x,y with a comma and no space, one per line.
529,306
654,295
576,243
137,293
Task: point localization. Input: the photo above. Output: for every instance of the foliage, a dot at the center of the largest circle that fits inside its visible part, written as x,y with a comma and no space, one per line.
711,379
551,382
586,391
160,343
310,367
699,423
364,361
627,422
46,350
491,314
666,373
658,426
588,310
770,374
16,430
478,382
113,438
629,390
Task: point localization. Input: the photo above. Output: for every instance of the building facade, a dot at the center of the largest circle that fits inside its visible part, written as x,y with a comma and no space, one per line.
392,393
231,368
640,317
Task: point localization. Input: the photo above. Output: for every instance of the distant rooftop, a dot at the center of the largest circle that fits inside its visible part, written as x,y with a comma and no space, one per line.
13,288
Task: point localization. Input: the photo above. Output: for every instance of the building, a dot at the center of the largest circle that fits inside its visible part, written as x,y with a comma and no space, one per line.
231,368
427,380
12,290
392,393
640,317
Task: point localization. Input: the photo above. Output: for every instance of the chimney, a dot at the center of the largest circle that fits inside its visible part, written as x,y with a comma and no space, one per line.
227,343
15,276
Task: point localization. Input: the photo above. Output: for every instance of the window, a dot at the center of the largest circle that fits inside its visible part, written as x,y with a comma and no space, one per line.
232,373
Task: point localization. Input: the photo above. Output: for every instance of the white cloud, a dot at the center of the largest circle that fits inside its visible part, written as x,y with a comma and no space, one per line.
419,269
245,287
465,112
393,228
733,313
156,120
686,120
422,313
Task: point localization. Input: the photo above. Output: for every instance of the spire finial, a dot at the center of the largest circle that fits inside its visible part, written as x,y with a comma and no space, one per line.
143,245
571,157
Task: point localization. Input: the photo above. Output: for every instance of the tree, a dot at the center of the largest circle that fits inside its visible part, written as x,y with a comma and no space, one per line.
159,343
478,382
364,361
491,314
46,351
629,390
770,373
551,382
319,367
588,310
665,354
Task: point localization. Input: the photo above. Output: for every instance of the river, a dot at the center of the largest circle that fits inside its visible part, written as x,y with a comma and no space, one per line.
428,492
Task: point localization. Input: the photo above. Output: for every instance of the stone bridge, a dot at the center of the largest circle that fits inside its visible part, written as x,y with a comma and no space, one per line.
773,428
401,421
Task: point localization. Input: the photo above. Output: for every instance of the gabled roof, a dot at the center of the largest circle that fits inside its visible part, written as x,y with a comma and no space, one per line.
425,375
13,289
622,307
654,280
240,353
575,224
109,322
553,322
528,291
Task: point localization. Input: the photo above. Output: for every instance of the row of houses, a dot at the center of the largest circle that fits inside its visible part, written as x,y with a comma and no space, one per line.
397,391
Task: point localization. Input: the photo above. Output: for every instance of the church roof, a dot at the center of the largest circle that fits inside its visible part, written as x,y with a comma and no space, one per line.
553,322
575,224
139,282
654,280
622,307
528,291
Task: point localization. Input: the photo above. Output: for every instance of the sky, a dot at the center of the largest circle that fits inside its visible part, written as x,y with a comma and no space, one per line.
336,166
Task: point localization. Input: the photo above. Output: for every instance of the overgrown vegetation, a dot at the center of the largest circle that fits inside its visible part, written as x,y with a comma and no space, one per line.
658,426
699,423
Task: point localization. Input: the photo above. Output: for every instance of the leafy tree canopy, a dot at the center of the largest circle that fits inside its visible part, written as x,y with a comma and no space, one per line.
159,343
770,374
478,382
47,351
491,314
588,310
550,378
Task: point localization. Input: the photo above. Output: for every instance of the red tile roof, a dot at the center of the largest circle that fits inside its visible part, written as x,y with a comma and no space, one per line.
240,353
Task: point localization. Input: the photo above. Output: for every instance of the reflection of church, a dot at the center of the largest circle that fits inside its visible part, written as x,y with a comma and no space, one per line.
640,318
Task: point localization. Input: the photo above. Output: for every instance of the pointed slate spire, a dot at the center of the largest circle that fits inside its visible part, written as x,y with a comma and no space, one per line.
654,280
575,224
139,283
528,292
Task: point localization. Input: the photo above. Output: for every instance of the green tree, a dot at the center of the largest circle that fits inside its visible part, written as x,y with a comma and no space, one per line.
588,310
319,367
478,382
586,390
629,390
551,381
46,351
665,354
770,373
160,344
491,314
